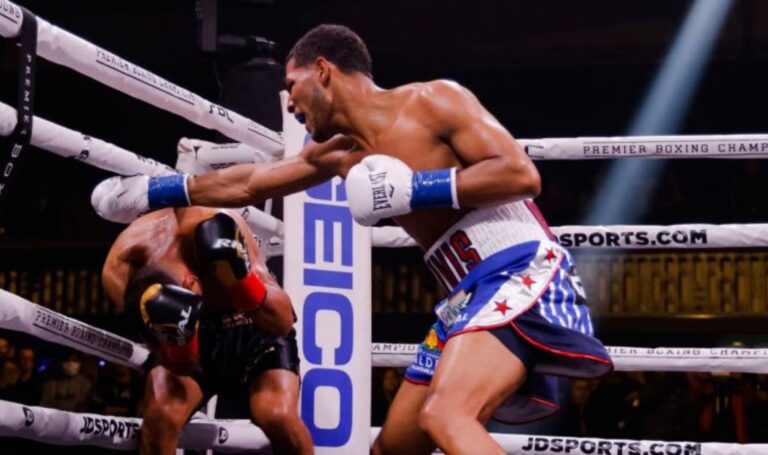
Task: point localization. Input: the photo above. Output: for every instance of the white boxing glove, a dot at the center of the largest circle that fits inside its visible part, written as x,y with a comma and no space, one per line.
123,199
382,186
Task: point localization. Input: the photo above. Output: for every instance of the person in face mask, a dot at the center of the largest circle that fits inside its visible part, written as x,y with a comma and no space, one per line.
70,391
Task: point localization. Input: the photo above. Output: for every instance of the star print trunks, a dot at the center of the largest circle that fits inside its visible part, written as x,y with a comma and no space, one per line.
508,277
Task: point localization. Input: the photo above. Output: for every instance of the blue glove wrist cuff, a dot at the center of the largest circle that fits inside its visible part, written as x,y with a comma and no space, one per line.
433,189
168,191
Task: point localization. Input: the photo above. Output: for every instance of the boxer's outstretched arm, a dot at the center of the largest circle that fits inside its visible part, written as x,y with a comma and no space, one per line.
497,170
247,184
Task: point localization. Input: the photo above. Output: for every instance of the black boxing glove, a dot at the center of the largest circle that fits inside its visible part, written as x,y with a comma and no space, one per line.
220,247
170,314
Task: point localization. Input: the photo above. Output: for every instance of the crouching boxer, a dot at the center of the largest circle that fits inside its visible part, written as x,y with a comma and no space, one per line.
195,285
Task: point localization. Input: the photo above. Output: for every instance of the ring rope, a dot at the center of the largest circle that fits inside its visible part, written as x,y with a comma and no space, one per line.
64,48
627,358
73,144
676,236
639,237
19,314
69,143
732,146
70,428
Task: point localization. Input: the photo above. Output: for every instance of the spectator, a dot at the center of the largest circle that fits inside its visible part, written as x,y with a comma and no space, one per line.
70,391
8,379
27,390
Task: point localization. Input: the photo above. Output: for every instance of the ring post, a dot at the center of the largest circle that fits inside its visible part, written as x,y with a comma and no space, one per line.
327,265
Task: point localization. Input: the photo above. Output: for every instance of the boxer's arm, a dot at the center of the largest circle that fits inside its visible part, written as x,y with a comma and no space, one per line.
120,261
496,168
247,184
233,261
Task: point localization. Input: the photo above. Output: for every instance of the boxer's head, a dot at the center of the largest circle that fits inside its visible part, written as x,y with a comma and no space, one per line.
319,68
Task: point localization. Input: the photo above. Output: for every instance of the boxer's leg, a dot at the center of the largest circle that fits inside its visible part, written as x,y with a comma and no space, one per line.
274,408
169,401
401,433
475,374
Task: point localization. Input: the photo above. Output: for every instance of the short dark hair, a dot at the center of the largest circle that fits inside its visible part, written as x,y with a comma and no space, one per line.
338,44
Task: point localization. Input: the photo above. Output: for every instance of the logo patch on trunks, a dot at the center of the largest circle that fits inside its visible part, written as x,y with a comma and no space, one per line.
449,311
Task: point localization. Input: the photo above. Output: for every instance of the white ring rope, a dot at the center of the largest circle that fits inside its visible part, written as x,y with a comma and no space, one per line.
639,237
69,143
678,236
590,148
64,48
742,360
70,428
72,144
21,315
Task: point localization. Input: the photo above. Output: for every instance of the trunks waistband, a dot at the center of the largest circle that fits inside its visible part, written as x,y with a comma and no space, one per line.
483,233
222,321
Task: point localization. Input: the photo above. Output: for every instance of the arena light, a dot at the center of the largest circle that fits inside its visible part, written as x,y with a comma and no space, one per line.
626,189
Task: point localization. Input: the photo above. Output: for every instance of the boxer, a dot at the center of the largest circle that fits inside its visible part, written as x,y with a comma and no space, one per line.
194,284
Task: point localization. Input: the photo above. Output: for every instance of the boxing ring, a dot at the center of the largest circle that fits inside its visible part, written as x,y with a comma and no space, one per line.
335,352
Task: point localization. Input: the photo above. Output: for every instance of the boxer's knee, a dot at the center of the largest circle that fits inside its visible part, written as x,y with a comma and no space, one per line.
163,419
160,429
442,415
276,417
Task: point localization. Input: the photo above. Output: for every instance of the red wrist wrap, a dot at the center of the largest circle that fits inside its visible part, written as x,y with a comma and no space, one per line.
249,293
181,353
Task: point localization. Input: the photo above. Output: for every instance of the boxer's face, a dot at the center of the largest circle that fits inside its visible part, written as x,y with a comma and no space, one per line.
310,97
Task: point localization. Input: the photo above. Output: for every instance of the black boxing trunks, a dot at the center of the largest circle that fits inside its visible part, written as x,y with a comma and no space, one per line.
233,352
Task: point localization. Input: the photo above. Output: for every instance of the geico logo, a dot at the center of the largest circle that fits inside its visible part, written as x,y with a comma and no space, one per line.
327,307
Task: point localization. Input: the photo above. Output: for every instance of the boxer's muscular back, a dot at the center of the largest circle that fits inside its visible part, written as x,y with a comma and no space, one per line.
163,237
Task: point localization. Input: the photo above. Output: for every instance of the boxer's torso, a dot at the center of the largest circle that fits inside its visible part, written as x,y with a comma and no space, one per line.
409,132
